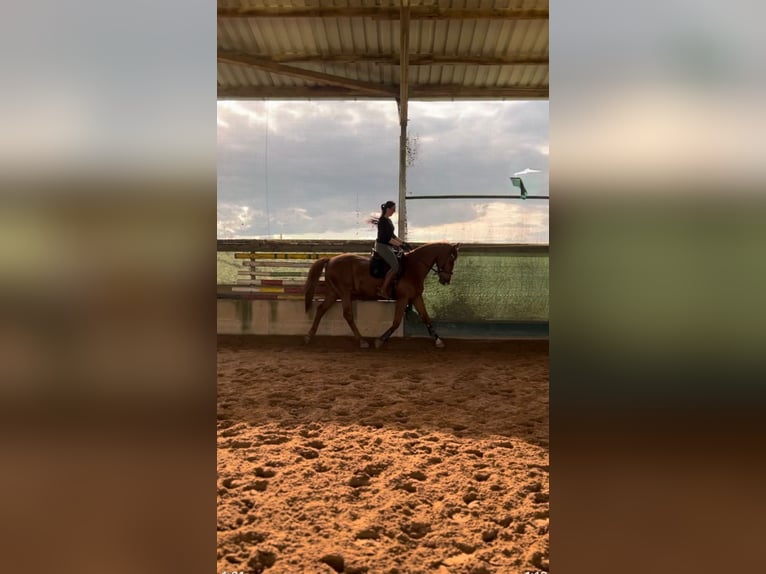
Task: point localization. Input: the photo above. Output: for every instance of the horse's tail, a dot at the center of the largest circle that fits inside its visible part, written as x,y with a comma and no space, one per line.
314,272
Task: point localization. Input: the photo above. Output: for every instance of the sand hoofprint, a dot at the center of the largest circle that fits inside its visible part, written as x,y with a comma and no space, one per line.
406,459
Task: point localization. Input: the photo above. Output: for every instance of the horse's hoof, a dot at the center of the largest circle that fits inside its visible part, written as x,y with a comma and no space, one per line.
306,339
378,343
439,343
363,344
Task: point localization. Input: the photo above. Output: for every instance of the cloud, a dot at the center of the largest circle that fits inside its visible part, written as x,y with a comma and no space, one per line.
321,168
233,219
495,222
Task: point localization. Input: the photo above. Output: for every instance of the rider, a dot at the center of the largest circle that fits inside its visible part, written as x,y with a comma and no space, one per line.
385,242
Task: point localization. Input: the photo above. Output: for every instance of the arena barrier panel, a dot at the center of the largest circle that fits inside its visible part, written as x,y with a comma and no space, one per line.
498,290
268,299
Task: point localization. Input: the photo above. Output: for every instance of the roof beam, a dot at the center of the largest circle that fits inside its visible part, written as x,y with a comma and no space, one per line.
448,92
385,13
460,92
430,60
394,60
281,69
292,92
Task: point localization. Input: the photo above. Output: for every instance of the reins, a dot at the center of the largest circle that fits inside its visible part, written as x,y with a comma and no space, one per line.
435,268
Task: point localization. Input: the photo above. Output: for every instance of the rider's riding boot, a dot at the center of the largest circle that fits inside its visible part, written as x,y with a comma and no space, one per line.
383,290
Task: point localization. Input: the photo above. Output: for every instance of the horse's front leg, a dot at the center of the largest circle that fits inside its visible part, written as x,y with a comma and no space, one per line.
398,314
420,307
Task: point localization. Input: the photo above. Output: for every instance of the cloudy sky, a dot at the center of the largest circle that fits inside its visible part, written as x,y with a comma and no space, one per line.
300,169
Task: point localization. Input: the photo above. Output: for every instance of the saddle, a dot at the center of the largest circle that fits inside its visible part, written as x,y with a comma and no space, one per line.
379,267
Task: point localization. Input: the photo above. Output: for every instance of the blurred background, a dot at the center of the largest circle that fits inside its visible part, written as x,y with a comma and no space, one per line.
107,297
657,271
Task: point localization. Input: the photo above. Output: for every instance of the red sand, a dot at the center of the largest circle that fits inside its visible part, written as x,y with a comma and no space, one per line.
404,459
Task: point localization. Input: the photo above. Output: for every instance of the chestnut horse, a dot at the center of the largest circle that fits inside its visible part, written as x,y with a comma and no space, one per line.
348,277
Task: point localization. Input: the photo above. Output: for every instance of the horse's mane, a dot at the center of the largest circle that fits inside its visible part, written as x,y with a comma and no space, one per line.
428,246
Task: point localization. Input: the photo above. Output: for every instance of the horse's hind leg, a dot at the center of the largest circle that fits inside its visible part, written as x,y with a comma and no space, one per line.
420,307
348,315
321,310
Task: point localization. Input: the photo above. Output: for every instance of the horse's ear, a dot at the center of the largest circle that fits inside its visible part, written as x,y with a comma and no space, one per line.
456,247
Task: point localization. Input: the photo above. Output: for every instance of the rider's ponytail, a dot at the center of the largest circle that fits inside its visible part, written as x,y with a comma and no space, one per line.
383,208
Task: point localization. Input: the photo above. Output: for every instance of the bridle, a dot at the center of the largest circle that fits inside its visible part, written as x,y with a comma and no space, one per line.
440,270
435,268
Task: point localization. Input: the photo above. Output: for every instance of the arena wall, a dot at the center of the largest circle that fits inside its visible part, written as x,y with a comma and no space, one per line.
287,317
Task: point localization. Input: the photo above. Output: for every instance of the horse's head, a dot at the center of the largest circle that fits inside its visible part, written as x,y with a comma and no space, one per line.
445,263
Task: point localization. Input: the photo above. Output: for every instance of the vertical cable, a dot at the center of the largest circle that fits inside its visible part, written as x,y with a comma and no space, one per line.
358,223
266,174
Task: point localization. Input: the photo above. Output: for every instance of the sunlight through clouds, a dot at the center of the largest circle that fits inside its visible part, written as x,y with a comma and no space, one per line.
495,222
253,114
234,219
318,169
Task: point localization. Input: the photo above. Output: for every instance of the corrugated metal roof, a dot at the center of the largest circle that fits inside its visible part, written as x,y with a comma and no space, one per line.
351,49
